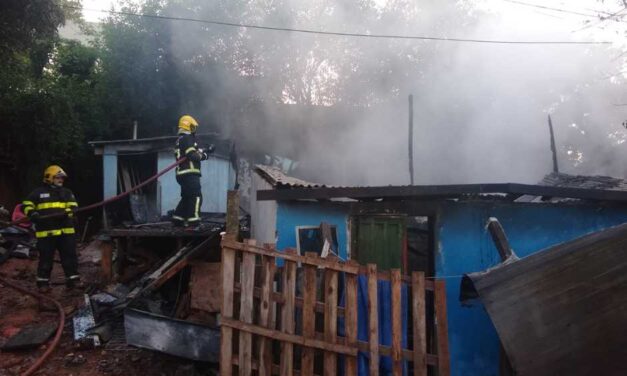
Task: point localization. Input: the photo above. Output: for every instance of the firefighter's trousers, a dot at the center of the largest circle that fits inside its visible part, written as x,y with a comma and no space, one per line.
188,209
66,245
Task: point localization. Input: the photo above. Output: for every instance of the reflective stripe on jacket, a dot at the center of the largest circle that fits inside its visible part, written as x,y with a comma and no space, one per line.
186,146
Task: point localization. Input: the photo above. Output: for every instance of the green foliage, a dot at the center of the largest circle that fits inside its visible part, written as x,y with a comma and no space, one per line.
48,107
75,60
138,78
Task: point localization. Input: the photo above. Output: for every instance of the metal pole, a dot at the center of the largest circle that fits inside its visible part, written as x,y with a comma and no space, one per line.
411,139
135,130
553,149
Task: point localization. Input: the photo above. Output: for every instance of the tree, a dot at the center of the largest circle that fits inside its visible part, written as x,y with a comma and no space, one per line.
47,104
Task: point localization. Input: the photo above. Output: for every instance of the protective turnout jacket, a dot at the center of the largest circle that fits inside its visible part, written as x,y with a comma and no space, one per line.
49,199
186,146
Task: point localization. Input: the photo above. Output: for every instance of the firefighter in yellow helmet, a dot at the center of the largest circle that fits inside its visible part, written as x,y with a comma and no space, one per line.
51,208
188,174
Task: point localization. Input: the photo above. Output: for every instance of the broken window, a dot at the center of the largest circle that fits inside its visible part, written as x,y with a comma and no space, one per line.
320,239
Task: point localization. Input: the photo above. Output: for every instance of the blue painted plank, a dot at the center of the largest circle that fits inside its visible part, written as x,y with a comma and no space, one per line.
110,172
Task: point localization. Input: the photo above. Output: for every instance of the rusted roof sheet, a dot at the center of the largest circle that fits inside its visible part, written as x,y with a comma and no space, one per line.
563,310
278,179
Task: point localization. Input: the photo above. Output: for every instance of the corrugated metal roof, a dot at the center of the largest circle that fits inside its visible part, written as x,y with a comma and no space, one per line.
561,311
581,181
278,179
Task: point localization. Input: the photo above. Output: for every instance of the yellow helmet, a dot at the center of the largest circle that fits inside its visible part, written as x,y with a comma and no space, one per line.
53,171
188,123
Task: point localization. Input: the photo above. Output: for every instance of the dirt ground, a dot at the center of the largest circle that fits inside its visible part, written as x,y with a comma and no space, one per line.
18,310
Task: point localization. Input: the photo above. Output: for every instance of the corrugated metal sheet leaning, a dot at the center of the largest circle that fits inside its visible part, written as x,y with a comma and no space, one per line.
561,311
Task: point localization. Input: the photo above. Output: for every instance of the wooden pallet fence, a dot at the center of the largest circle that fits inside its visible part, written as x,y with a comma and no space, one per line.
284,320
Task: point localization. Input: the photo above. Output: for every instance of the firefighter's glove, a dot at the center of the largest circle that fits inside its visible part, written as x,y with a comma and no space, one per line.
203,155
33,215
69,212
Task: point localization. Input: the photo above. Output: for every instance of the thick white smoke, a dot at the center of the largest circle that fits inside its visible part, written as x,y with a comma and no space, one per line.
339,106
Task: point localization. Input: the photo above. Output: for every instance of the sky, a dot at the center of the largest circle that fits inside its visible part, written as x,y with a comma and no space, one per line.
91,16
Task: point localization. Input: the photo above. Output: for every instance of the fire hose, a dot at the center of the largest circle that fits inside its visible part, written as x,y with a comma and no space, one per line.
57,336
106,201
55,341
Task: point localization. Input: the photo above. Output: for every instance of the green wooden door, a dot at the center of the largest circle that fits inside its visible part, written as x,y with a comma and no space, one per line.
379,240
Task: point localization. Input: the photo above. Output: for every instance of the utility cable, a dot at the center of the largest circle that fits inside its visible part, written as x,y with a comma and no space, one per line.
337,33
551,8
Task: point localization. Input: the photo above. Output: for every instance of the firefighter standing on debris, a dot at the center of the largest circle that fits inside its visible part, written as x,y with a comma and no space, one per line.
55,232
188,174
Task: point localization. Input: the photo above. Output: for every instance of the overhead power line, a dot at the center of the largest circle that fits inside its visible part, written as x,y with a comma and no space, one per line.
335,33
551,8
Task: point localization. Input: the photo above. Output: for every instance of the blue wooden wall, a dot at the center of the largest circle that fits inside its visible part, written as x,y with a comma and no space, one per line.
109,172
463,246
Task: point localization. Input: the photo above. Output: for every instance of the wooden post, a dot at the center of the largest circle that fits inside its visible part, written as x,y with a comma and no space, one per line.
226,339
419,323
330,319
287,315
246,311
442,329
265,313
350,319
395,285
373,319
309,315
232,214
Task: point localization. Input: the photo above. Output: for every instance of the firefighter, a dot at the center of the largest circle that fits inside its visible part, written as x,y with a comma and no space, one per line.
187,212
54,232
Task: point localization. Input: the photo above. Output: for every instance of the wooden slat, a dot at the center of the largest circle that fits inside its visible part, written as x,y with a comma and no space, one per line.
226,339
432,360
265,310
385,276
350,321
278,298
442,329
419,323
275,368
246,311
309,316
291,339
373,319
330,319
396,322
287,315
328,342
317,261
